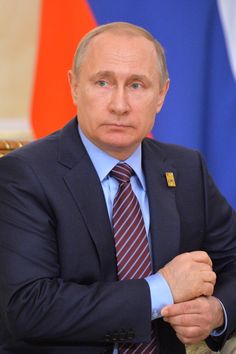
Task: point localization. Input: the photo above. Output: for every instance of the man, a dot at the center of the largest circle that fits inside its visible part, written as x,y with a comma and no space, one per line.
70,277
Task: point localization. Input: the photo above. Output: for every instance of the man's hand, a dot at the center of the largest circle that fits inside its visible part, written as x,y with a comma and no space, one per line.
194,320
189,275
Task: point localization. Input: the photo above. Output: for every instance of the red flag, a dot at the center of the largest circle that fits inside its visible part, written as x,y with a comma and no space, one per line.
63,24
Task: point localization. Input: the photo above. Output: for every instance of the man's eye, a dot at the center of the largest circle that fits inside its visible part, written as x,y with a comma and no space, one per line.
102,83
136,85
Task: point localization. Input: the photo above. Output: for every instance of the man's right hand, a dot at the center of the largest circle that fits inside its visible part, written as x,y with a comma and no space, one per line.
189,275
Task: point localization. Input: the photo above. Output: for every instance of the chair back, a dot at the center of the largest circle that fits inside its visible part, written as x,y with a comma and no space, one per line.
10,145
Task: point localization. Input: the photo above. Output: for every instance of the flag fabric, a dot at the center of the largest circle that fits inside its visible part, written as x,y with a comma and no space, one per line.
63,24
200,108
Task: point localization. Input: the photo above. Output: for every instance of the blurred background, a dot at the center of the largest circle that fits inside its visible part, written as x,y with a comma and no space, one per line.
38,39
19,28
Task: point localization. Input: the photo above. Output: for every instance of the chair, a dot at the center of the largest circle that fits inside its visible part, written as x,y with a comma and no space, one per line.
201,348
10,145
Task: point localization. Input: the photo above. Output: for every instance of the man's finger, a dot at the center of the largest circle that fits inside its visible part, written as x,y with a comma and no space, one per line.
188,307
201,256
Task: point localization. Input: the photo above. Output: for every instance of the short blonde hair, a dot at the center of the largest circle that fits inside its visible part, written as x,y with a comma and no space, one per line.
121,28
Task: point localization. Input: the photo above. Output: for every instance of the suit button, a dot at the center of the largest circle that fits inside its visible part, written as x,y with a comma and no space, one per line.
130,334
122,336
115,336
108,337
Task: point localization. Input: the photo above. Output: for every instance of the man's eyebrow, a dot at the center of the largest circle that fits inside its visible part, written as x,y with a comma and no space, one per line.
139,77
103,73
111,74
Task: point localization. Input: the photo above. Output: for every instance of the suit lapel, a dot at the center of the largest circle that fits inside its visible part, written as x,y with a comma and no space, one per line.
165,222
85,188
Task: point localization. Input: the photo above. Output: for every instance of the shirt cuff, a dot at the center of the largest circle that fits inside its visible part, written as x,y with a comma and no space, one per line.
219,331
160,294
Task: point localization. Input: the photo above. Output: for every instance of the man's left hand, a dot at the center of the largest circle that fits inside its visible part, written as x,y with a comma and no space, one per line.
194,320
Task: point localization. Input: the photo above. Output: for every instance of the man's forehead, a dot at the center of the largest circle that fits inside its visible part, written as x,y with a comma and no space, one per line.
114,37
120,52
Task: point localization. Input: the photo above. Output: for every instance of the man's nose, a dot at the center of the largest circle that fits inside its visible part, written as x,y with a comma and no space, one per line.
119,103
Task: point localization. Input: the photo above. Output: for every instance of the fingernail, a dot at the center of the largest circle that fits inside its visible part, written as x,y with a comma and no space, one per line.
164,312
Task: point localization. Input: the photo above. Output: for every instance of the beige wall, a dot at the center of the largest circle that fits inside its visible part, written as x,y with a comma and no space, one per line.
19,21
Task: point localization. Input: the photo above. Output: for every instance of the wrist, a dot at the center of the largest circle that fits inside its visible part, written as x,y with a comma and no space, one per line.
218,313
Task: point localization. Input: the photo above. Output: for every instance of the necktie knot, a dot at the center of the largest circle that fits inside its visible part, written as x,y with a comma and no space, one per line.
122,172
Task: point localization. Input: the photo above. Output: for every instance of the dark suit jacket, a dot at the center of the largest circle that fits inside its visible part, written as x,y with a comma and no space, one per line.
58,286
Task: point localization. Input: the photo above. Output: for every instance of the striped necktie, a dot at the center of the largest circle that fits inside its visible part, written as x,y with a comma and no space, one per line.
131,243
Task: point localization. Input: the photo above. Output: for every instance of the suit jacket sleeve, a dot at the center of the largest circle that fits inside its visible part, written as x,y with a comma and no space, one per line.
220,243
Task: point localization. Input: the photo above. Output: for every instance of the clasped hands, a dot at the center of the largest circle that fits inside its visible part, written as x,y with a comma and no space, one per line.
195,312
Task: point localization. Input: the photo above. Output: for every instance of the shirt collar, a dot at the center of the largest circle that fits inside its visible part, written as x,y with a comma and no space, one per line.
104,163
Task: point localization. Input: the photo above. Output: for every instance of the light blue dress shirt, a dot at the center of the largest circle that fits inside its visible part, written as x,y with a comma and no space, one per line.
159,289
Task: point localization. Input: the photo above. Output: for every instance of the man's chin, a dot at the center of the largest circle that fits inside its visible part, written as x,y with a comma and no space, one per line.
119,148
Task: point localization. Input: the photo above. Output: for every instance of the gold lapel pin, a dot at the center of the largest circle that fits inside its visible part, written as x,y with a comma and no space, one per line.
170,179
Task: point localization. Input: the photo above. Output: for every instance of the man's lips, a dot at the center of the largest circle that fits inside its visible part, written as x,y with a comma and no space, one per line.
118,125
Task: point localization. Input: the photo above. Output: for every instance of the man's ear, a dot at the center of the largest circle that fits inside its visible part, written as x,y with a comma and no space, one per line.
73,82
162,95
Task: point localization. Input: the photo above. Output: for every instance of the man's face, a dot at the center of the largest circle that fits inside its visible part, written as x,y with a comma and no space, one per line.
118,93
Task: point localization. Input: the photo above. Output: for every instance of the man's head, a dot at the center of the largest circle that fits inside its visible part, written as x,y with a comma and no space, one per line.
118,82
